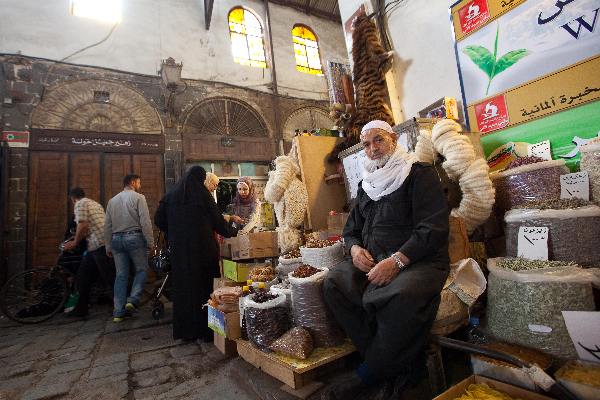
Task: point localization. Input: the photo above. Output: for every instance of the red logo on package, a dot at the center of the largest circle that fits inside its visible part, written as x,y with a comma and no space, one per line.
473,15
492,114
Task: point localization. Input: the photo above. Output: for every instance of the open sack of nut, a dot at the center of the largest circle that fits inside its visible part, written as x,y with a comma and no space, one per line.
573,229
322,253
288,262
267,318
526,299
309,308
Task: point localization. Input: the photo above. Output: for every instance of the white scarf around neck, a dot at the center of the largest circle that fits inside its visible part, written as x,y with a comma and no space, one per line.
379,182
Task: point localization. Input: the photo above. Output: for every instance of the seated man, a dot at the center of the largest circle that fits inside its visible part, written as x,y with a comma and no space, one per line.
387,297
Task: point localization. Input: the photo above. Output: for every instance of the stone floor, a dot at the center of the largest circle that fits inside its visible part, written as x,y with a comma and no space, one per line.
136,359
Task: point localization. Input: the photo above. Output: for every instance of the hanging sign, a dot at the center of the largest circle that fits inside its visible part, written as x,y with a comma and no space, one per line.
575,186
533,242
16,138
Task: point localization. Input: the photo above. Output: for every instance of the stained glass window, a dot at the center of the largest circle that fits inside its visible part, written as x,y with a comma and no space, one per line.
306,50
246,38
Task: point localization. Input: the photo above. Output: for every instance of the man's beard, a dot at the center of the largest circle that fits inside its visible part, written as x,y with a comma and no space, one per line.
372,165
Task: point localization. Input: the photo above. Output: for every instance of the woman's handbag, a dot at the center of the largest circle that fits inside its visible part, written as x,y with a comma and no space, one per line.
161,255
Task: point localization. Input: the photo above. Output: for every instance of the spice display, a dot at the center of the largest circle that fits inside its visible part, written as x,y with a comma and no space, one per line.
585,373
555,204
296,343
262,274
311,312
524,161
537,181
323,254
573,234
292,254
481,391
524,354
523,264
266,321
305,271
315,243
262,297
590,162
522,303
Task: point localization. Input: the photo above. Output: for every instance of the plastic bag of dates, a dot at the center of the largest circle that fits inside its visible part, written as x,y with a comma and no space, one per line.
267,318
296,343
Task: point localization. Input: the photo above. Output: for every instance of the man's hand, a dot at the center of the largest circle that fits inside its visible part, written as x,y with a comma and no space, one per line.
384,272
70,245
237,220
361,258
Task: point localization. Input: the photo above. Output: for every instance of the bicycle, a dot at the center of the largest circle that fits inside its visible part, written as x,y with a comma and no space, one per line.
37,294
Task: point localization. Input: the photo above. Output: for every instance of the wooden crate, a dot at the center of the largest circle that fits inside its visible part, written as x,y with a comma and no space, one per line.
293,372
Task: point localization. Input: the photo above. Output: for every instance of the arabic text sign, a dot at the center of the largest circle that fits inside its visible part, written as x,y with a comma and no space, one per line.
353,168
533,242
488,11
584,329
532,40
575,186
559,91
473,15
541,150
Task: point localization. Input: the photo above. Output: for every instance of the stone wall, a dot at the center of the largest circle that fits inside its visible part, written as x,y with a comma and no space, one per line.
32,84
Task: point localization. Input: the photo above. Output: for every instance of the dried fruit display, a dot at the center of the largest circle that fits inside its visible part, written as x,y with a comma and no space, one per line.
296,342
305,271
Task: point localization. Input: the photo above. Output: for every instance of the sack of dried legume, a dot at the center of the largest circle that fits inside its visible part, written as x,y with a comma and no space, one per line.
573,233
311,312
590,162
537,181
323,257
287,265
526,298
265,320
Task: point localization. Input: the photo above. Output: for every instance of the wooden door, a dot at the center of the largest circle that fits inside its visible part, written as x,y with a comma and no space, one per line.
85,173
47,211
116,166
149,168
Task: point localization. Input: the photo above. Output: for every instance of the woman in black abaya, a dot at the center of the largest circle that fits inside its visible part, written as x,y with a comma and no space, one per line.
189,216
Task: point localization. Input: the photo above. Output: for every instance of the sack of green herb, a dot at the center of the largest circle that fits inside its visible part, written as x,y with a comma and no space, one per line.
536,181
573,233
526,299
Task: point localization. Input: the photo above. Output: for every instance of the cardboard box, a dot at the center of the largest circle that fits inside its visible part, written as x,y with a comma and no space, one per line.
225,248
224,282
254,245
513,391
225,346
336,223
238,271
225,324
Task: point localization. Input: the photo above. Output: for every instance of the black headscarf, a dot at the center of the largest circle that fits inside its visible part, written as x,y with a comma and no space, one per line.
190,189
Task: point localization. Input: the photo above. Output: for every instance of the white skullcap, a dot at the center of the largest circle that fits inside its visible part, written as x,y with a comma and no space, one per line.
376,124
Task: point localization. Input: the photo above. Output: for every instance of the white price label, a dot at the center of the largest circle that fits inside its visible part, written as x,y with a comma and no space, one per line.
541,150
576,185
533,242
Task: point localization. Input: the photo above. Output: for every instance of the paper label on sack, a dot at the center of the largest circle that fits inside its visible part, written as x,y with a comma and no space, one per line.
541,150
584,329
533,242
576,185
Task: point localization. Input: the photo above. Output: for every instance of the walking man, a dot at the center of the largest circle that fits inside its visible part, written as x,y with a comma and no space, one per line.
128,236
89,216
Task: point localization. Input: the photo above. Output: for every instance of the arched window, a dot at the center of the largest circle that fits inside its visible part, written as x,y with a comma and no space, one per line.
246,38
306,49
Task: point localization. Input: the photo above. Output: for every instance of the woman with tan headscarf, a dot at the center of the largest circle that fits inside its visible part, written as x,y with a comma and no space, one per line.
245,204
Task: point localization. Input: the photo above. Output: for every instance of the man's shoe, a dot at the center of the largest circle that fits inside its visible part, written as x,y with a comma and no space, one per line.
351,387
130,307
118,319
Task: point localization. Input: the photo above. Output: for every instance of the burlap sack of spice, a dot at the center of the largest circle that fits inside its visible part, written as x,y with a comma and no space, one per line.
526,298
538,181
573,233
590,162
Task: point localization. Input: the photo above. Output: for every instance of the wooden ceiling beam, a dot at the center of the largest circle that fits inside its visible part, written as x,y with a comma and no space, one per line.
308,9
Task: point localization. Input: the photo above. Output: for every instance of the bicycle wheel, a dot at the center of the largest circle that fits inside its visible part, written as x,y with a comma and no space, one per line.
34,295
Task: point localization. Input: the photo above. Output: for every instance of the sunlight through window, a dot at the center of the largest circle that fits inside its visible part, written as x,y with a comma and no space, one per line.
246,38
101,10
306,50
